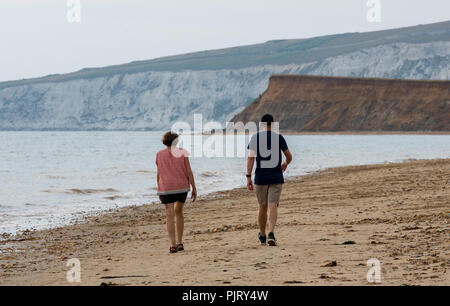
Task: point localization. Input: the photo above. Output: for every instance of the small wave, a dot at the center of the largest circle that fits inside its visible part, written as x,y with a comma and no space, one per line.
127,195
56,177
90,191
209,174
148,195
112,198
31,204
144,171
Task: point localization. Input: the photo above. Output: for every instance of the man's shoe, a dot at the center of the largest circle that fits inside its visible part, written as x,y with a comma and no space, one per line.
271,239
262,239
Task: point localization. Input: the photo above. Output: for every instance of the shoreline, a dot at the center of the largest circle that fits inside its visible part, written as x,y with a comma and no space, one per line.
77,217
318,212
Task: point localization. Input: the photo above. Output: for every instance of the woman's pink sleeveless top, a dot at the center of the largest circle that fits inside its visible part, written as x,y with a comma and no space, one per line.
173,176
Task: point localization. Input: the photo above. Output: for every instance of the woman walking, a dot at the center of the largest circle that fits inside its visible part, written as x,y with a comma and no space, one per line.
174,178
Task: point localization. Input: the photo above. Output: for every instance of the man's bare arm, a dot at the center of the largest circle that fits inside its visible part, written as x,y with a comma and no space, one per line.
288,156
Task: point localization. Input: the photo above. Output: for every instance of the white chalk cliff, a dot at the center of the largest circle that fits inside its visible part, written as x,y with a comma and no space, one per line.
155,99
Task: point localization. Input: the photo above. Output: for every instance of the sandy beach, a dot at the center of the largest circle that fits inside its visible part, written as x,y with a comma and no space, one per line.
397,213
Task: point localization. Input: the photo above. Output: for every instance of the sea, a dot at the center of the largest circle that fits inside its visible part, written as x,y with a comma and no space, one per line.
49,179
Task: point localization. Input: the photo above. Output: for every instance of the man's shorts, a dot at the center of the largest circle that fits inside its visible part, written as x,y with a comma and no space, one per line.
174,197
268,193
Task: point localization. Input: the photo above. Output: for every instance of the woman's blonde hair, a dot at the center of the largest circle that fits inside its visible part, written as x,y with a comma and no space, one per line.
168,138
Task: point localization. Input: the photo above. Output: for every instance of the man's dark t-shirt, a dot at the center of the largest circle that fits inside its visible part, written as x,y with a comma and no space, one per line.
268,157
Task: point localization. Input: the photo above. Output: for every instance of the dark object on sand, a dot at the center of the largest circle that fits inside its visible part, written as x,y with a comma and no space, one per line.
110,284
331,264
293,282
349,242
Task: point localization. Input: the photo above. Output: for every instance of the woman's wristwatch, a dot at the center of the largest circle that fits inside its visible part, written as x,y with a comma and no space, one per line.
249,176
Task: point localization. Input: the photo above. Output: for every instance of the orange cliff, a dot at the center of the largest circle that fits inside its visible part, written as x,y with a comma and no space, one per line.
322,104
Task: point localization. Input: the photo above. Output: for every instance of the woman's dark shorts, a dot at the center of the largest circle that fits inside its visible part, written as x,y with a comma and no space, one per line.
172,198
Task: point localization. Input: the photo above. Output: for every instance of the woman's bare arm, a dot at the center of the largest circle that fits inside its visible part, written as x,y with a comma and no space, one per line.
157,179
190,177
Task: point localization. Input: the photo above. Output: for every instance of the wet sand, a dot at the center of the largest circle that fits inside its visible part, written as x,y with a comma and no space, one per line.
397,213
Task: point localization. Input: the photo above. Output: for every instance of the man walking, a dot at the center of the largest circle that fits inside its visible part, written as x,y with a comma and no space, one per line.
265,147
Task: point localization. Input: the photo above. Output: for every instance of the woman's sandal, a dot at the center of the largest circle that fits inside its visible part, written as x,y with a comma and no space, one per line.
180,247
173,249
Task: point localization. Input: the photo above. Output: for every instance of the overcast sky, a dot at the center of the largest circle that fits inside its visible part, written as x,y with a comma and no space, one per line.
37,39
